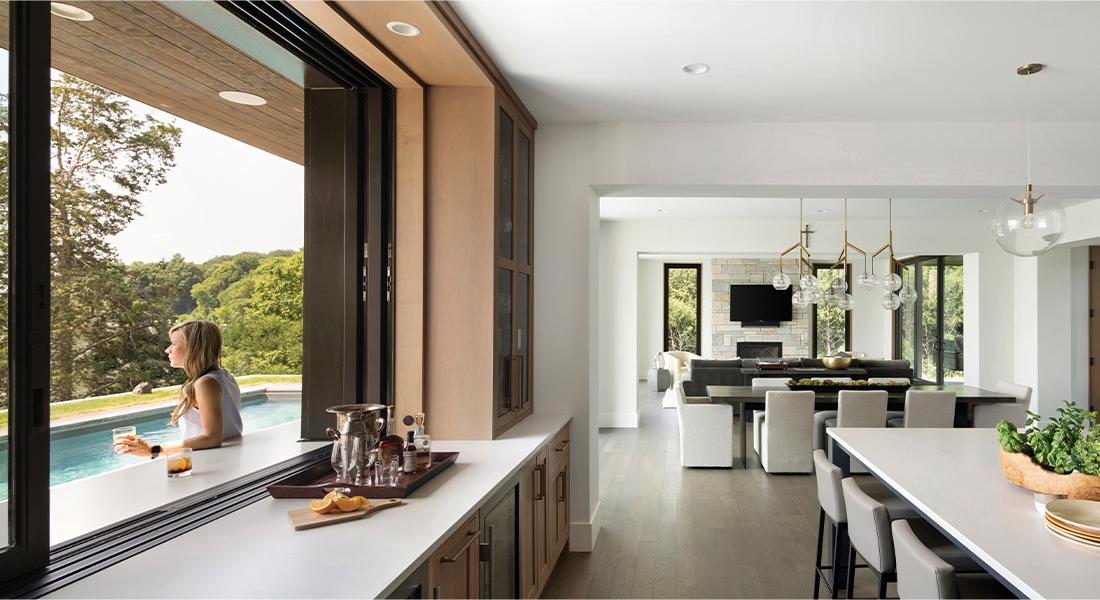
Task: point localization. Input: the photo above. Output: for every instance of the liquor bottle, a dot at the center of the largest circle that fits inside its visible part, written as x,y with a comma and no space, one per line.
391,446
408,457
423,444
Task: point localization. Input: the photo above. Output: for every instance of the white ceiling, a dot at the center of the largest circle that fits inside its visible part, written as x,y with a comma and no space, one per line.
620,61
815,209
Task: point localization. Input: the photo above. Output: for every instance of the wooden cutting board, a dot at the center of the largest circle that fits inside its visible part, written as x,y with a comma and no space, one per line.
306,518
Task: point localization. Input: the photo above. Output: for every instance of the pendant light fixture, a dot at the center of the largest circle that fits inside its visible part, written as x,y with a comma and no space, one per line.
806,281
838,295
1025,226
891,282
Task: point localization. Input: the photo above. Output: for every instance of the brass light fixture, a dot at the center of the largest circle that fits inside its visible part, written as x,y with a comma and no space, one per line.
782,281
891,281
1023,226
838,295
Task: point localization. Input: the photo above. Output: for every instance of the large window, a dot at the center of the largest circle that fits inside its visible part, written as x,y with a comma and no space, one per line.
929,331
683,287
161,172
831,325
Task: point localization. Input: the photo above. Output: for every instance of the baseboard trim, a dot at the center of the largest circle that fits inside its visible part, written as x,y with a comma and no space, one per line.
583,534
627,420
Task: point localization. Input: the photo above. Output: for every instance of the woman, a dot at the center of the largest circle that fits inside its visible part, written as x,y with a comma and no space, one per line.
209,410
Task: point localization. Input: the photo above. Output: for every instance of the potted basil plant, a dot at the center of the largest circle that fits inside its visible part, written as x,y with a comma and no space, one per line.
1058,458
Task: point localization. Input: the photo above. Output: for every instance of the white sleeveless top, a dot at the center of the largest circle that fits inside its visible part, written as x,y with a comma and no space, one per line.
232,427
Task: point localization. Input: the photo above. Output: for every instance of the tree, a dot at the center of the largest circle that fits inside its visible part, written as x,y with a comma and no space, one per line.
831,332
683,330
103,158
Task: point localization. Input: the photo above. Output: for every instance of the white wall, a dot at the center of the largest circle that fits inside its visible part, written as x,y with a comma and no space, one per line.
650,313
572,159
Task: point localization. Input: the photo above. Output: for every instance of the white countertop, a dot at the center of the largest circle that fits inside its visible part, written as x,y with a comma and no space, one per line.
953,477
88,504
255,551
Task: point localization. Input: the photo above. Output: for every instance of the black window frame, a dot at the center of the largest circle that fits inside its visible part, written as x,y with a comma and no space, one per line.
941,272
29,566
698,267
847,314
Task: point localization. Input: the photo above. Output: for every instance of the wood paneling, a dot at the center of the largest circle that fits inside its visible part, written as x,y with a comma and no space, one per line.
409,284
144,51
458,383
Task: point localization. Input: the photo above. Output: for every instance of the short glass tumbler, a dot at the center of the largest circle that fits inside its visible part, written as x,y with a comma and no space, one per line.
178,462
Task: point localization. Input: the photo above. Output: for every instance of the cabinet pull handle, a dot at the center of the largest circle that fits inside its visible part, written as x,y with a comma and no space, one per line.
436,592
473,535
563,486
540,480
563,447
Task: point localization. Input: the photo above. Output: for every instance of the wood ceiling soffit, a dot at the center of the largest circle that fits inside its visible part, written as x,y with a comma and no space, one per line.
144,51
458,28
437,56
332,19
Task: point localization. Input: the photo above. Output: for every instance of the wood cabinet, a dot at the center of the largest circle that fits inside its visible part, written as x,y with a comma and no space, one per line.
513,298
544,513
454,569
479,271
558,496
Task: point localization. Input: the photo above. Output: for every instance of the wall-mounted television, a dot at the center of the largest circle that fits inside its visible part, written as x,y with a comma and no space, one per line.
759,305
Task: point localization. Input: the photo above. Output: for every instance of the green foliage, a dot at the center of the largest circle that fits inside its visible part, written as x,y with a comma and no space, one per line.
925,364
683,330
831,334
1068,442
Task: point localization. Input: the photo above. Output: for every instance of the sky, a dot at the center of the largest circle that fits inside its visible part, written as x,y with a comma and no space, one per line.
222,197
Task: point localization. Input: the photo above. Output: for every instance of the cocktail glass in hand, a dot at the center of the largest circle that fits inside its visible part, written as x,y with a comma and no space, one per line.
119,432
179,462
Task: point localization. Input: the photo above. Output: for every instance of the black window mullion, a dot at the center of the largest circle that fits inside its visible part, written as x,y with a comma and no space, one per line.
29,288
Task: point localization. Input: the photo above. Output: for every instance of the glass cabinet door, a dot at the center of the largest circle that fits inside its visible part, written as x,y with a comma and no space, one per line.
523,199
502,351
522,338
504,187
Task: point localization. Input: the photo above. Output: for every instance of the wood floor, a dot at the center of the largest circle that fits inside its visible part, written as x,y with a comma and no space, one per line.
671,532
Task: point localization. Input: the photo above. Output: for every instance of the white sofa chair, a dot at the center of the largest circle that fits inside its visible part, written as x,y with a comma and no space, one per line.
786,432
706,432
988,415
678,363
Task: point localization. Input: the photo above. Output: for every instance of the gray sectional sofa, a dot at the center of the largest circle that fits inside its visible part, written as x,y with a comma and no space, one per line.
703,372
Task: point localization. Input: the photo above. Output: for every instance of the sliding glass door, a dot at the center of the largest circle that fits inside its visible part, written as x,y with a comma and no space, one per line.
929,331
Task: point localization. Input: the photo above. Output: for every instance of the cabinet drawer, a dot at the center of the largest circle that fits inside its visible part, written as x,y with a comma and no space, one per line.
454,569
559,449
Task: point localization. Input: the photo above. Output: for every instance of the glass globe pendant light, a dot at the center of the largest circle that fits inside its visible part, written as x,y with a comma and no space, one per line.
1025,226
890,301
836,296
782,281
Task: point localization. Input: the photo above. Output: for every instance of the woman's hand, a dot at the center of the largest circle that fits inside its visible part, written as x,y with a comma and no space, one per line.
133,445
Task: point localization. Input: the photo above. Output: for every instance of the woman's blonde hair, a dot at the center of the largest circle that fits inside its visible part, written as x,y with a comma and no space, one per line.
203,343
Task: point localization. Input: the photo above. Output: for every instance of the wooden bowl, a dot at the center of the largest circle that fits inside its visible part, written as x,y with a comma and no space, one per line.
1020,469
837,362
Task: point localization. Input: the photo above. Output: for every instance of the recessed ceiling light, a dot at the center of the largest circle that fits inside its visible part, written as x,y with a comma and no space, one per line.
242,98
696,68
70,12
982,211
822,211
662,210
403,28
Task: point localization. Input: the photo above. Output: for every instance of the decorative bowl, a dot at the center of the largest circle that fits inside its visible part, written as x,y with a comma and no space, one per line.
837,362
1020,469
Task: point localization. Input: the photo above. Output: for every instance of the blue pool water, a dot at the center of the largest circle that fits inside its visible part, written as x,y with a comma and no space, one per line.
88,451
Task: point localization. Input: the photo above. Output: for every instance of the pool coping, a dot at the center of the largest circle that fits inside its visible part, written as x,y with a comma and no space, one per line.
139,411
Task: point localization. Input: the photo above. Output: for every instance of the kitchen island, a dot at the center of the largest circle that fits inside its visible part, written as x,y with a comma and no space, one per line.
254,552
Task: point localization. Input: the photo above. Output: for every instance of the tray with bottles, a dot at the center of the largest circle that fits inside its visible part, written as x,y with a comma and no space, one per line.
320,479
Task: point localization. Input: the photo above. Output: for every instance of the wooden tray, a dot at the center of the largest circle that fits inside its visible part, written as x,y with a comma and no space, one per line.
305,518
893,389
320,479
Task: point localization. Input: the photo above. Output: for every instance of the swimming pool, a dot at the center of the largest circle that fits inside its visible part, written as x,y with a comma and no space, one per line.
85,451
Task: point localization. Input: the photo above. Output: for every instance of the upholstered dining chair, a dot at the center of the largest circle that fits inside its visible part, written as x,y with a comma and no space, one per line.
830,497
758,415
869,531
988,415
927,408
786,429
706,432
921,573
855,408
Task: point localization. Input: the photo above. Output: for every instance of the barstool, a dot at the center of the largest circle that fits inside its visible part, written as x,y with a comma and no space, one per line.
870,535
923,574
831,499
927,408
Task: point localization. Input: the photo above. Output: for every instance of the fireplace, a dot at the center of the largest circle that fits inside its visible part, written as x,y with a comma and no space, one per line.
760,349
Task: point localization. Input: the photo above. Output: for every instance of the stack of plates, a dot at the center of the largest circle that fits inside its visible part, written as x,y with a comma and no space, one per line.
1075,520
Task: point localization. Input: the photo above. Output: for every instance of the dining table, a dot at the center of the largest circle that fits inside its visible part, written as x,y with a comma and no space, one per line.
746,398
952,478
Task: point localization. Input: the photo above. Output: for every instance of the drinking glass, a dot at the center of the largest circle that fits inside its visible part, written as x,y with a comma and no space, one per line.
386,470
118,432
179,462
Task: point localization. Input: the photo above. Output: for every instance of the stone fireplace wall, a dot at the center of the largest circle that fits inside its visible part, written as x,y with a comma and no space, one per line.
725,334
